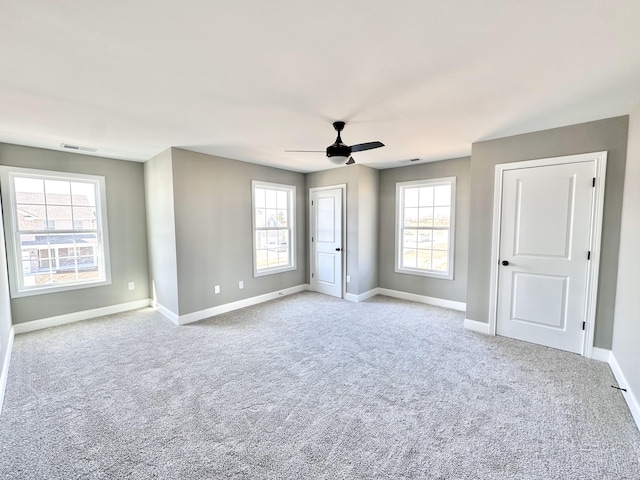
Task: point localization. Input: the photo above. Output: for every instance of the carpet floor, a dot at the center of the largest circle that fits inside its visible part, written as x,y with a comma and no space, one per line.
308,387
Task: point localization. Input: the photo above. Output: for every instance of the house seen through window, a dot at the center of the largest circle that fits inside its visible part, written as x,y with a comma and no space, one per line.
57,225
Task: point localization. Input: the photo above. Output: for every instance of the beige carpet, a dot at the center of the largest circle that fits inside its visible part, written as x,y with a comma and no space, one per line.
308,386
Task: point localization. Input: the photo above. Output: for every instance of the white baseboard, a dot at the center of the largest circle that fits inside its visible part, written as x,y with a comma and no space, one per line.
601,354
629,395
476,326
352,297
78,316
438,302
167,313
247,302
4,375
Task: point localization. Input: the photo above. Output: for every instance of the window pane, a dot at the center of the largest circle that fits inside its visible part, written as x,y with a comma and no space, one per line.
31,217
46,258
272,238
272,258
260,218
29,190
283,240
59,218
261,259
440,261
442,195
425,239
84,218
411,197
261,239
283,248
282,199
57,192
271,201
426,196
282,218
409,258
272,217
441,239
424,259
259,196
67,263
410,238
442,216
411,217
83,194
426,217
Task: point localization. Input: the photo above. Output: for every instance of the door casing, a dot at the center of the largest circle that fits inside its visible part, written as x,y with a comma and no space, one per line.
343,266
597,207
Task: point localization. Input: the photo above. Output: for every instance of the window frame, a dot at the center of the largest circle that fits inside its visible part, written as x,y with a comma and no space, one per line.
399,229
12,232
291,227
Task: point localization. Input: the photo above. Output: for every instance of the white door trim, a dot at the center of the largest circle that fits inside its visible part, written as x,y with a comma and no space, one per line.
343,187
595,236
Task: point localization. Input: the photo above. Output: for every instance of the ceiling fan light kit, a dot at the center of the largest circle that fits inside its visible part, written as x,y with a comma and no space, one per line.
339,160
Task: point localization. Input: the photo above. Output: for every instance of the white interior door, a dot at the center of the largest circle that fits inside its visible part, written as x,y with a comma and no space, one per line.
326,241
544,253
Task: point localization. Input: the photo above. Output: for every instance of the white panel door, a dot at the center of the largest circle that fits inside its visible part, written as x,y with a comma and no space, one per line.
544,246
326,241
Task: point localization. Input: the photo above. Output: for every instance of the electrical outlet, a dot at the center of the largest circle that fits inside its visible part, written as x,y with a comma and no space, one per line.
240,284
348,278
132,286
216,289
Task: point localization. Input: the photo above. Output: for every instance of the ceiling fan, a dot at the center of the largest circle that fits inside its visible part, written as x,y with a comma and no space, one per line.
340,153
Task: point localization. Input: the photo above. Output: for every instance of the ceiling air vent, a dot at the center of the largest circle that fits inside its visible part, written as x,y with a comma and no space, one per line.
77,148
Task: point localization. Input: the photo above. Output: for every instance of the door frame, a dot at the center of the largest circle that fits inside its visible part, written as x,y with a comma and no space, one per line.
312,217
595,236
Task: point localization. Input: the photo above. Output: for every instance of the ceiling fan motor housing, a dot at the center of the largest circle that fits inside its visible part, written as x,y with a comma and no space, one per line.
338,149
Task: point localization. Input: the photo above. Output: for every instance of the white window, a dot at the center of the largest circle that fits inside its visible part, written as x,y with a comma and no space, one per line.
425,227
273,228
57,236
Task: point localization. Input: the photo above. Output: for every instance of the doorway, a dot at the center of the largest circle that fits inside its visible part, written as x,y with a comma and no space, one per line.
326,239
547,224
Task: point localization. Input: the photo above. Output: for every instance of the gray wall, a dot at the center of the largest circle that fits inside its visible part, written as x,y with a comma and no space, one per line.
626,330
127,232
455,289
214,240
161,231
610,135
368,218
361,210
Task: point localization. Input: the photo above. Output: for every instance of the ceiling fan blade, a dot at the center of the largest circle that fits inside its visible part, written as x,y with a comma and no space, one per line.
366,146
305,151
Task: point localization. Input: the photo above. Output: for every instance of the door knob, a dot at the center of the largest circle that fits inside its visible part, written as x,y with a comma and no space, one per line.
505,262
337,249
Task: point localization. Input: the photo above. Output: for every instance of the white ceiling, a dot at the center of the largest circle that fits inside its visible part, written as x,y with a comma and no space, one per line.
247,79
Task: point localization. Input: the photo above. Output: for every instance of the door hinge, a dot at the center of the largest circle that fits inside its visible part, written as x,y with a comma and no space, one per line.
594,182
312,275
584,324
312,239
589,255
312,201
